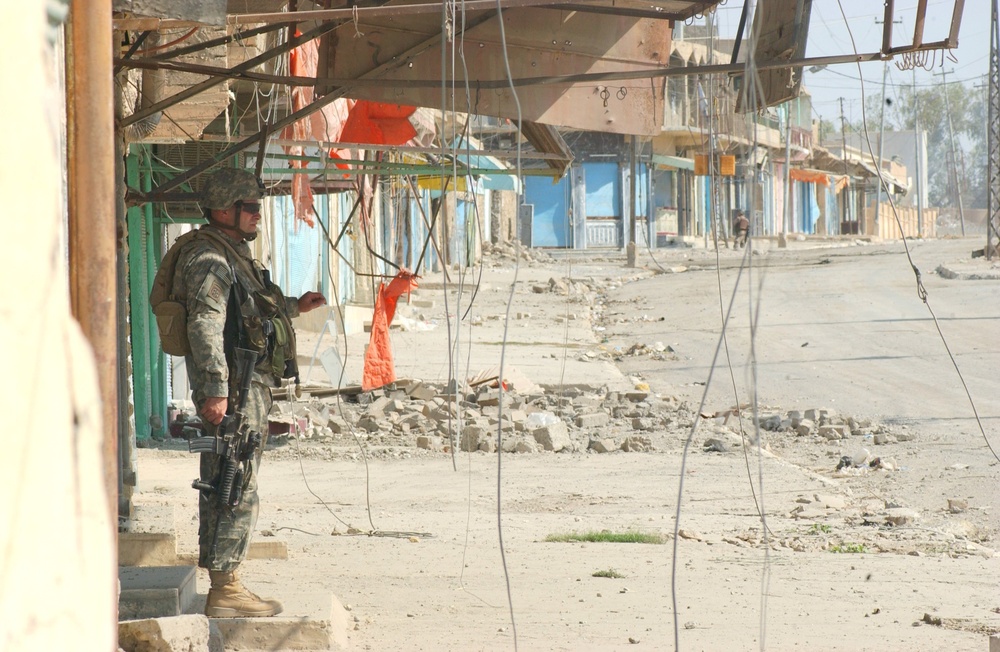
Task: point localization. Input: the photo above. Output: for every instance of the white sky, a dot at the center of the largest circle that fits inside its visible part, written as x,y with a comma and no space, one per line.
828,35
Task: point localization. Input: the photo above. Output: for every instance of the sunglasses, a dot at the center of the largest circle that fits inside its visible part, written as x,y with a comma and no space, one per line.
251,207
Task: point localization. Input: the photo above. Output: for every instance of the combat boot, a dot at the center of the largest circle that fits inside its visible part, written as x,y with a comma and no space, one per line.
228,598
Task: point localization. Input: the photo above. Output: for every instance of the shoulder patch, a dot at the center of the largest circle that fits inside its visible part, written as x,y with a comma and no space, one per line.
214,292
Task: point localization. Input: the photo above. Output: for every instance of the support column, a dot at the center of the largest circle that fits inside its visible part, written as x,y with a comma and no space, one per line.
91,203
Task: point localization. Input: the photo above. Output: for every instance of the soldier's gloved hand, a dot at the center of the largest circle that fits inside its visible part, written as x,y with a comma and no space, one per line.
213,409
311,300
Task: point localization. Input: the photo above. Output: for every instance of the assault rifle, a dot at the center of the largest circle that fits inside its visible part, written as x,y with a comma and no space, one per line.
235,442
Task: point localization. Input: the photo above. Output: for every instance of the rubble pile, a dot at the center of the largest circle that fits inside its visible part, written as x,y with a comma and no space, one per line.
414,414
500,254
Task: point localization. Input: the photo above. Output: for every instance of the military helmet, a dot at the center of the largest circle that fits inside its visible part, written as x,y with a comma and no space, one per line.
228,186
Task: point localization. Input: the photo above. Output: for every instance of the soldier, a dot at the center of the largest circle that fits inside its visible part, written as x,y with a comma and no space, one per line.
741,228
223,314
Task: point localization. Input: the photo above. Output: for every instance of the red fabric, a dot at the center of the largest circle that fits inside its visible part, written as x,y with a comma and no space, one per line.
379,370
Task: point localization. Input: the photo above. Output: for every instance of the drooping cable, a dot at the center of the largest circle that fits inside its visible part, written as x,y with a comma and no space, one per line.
921,290
506,328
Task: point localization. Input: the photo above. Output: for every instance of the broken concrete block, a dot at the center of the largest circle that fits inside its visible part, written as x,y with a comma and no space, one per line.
421,392
489,399
487,445
834,432
369,423
472,436
170,634
636,397
637,445
901,516
643,423
554,437
594,420
377,407
525,446
804,428
602,445
267,549
957,506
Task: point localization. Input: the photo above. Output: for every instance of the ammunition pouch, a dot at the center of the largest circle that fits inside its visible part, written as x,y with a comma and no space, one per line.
171,322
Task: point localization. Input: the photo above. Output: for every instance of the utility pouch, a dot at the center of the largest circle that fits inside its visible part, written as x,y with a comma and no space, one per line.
171,321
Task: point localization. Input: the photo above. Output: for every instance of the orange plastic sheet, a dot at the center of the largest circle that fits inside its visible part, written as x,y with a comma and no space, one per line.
379,370
810,176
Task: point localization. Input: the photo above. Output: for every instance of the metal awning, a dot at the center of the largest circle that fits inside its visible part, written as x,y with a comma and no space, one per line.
677,162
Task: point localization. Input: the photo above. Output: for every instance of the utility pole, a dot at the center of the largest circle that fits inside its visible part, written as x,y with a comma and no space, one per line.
788,168
843,141
878,163
993,138
630,253
951,137
881,139
919,152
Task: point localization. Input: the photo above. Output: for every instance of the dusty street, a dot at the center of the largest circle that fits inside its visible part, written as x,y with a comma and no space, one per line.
878,489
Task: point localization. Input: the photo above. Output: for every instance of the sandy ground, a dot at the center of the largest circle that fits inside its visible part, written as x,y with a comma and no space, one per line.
867,557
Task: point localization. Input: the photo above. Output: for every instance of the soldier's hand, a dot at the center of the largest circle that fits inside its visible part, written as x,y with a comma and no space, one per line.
311,300
214,408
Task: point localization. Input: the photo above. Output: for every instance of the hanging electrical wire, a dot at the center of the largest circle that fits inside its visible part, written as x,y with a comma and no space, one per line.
921,290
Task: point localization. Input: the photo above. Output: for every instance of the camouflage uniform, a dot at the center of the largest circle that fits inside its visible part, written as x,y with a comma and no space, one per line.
204,275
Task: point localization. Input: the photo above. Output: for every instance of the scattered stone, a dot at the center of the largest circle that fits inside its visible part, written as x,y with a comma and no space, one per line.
593,420
715,446
957,506
525,446
901,516
880,439
637,445
833,433
472,437
601,445
187,632
692,535
421,392
554,437
804,427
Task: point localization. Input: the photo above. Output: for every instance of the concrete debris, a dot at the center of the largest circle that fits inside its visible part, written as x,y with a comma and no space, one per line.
172,634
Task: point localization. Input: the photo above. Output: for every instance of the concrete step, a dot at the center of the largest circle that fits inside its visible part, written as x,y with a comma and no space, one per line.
310,622
156,591
150,539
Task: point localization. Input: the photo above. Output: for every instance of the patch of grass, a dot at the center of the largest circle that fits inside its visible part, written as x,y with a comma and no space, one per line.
605,536
611,572
818,528
848,548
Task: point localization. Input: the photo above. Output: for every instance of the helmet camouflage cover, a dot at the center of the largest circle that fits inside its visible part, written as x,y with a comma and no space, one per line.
228,186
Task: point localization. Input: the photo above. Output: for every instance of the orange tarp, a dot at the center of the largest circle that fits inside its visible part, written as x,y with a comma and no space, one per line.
342,120
379,370
809,176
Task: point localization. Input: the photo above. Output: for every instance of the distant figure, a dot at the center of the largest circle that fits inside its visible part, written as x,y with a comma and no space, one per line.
741,227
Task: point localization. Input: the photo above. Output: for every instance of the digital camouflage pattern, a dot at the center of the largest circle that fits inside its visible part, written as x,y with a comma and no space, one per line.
204,276
229,185
236,525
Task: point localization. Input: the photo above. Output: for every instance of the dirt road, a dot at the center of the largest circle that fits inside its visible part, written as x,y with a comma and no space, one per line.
852,558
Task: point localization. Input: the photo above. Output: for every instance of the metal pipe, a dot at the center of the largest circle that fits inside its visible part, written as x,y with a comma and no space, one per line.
359,13
91,205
